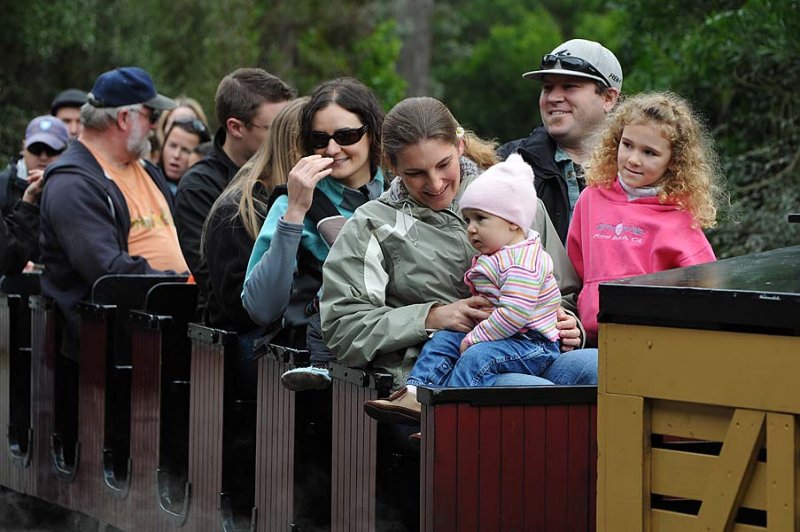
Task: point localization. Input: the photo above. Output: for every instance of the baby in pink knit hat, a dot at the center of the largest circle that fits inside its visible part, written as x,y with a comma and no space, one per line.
514,273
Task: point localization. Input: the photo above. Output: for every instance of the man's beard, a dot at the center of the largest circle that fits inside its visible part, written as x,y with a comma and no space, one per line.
138,143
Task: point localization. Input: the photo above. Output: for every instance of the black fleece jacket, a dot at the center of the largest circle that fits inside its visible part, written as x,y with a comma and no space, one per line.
19,237
85,224
227,253
198,189
19,232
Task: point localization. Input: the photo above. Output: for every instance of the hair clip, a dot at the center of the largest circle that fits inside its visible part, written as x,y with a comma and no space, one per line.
460,132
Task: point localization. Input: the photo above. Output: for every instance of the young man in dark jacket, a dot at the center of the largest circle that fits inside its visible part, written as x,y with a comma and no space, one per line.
581,82
246,103
101,194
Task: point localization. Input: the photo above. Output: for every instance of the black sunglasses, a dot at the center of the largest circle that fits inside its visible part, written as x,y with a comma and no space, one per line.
154,114
193,126
342,137
575,64
38,148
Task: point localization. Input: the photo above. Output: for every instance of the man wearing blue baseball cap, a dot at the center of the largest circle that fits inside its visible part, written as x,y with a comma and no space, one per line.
581,82
104,209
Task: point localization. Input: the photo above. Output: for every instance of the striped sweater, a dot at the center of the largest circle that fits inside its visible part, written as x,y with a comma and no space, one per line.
519,282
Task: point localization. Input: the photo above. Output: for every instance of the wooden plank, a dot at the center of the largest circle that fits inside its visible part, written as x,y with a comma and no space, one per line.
690,420
558,498
603,441
445,463
468,467
686,475
94,339
593,461
338,433
372,464
427,470
782,473
145,420
578,472
624,469
511,467
729,479
7,477
535,468
666,521
602,348
652,361
491,451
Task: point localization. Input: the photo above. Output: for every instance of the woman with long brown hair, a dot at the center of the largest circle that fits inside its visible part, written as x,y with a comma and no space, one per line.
395,272
236,217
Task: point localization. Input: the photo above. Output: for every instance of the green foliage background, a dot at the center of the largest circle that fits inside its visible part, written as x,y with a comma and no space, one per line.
736,60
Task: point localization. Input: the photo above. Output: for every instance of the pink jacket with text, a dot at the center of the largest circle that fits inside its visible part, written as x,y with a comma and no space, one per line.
611,237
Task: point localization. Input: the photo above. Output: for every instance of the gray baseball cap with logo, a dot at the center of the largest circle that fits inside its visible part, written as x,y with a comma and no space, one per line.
584,59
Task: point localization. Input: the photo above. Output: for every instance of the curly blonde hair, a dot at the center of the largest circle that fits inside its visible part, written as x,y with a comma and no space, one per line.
693,178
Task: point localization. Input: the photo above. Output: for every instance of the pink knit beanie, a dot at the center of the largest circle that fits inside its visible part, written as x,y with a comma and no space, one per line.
504,190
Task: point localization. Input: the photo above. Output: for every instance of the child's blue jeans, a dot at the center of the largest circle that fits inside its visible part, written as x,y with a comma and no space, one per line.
439,362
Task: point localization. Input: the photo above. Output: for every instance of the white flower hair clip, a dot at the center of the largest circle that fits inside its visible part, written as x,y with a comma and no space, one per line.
460,132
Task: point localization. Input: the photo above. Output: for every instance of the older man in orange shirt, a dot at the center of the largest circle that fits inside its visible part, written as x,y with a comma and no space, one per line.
104,209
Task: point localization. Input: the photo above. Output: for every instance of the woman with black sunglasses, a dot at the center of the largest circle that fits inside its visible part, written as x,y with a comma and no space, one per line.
340,129
183,136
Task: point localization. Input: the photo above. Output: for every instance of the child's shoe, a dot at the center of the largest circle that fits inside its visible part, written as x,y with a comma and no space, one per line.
306,378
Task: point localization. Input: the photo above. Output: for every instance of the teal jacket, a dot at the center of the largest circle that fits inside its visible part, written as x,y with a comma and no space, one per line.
274,286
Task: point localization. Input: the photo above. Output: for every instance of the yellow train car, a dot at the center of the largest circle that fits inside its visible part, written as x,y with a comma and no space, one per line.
699,397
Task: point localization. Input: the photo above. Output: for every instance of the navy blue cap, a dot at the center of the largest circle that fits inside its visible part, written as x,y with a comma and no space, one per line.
127,86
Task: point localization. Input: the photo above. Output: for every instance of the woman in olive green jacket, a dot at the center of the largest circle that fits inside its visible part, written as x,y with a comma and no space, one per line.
395,273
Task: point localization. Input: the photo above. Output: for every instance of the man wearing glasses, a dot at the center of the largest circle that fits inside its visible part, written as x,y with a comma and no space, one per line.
581,82
104,209
45,140
246,103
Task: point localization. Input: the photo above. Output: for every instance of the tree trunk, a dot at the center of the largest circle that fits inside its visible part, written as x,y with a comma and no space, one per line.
414,22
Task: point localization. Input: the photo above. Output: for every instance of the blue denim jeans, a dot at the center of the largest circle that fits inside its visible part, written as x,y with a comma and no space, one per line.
573,367
440,364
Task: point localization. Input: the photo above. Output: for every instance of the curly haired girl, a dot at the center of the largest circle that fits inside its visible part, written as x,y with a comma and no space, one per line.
653,185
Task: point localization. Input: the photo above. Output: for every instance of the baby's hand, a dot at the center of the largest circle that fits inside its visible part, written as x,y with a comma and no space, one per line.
463,347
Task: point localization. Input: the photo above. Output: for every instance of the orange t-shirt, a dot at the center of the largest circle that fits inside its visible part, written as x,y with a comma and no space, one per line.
152,234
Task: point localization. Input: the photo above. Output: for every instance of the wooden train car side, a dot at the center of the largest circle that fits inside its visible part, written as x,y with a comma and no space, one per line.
154,430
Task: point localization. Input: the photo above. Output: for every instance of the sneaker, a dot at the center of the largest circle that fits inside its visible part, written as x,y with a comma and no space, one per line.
306,378
400,407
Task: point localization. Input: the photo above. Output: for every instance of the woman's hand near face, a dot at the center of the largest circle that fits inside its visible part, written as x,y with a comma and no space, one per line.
302,180
461,315
34,190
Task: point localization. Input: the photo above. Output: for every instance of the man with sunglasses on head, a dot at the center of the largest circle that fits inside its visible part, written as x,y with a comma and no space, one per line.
581,82
105,210
246,103
20,188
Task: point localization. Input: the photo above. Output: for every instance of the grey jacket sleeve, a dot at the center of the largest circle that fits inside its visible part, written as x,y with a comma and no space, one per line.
268,287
